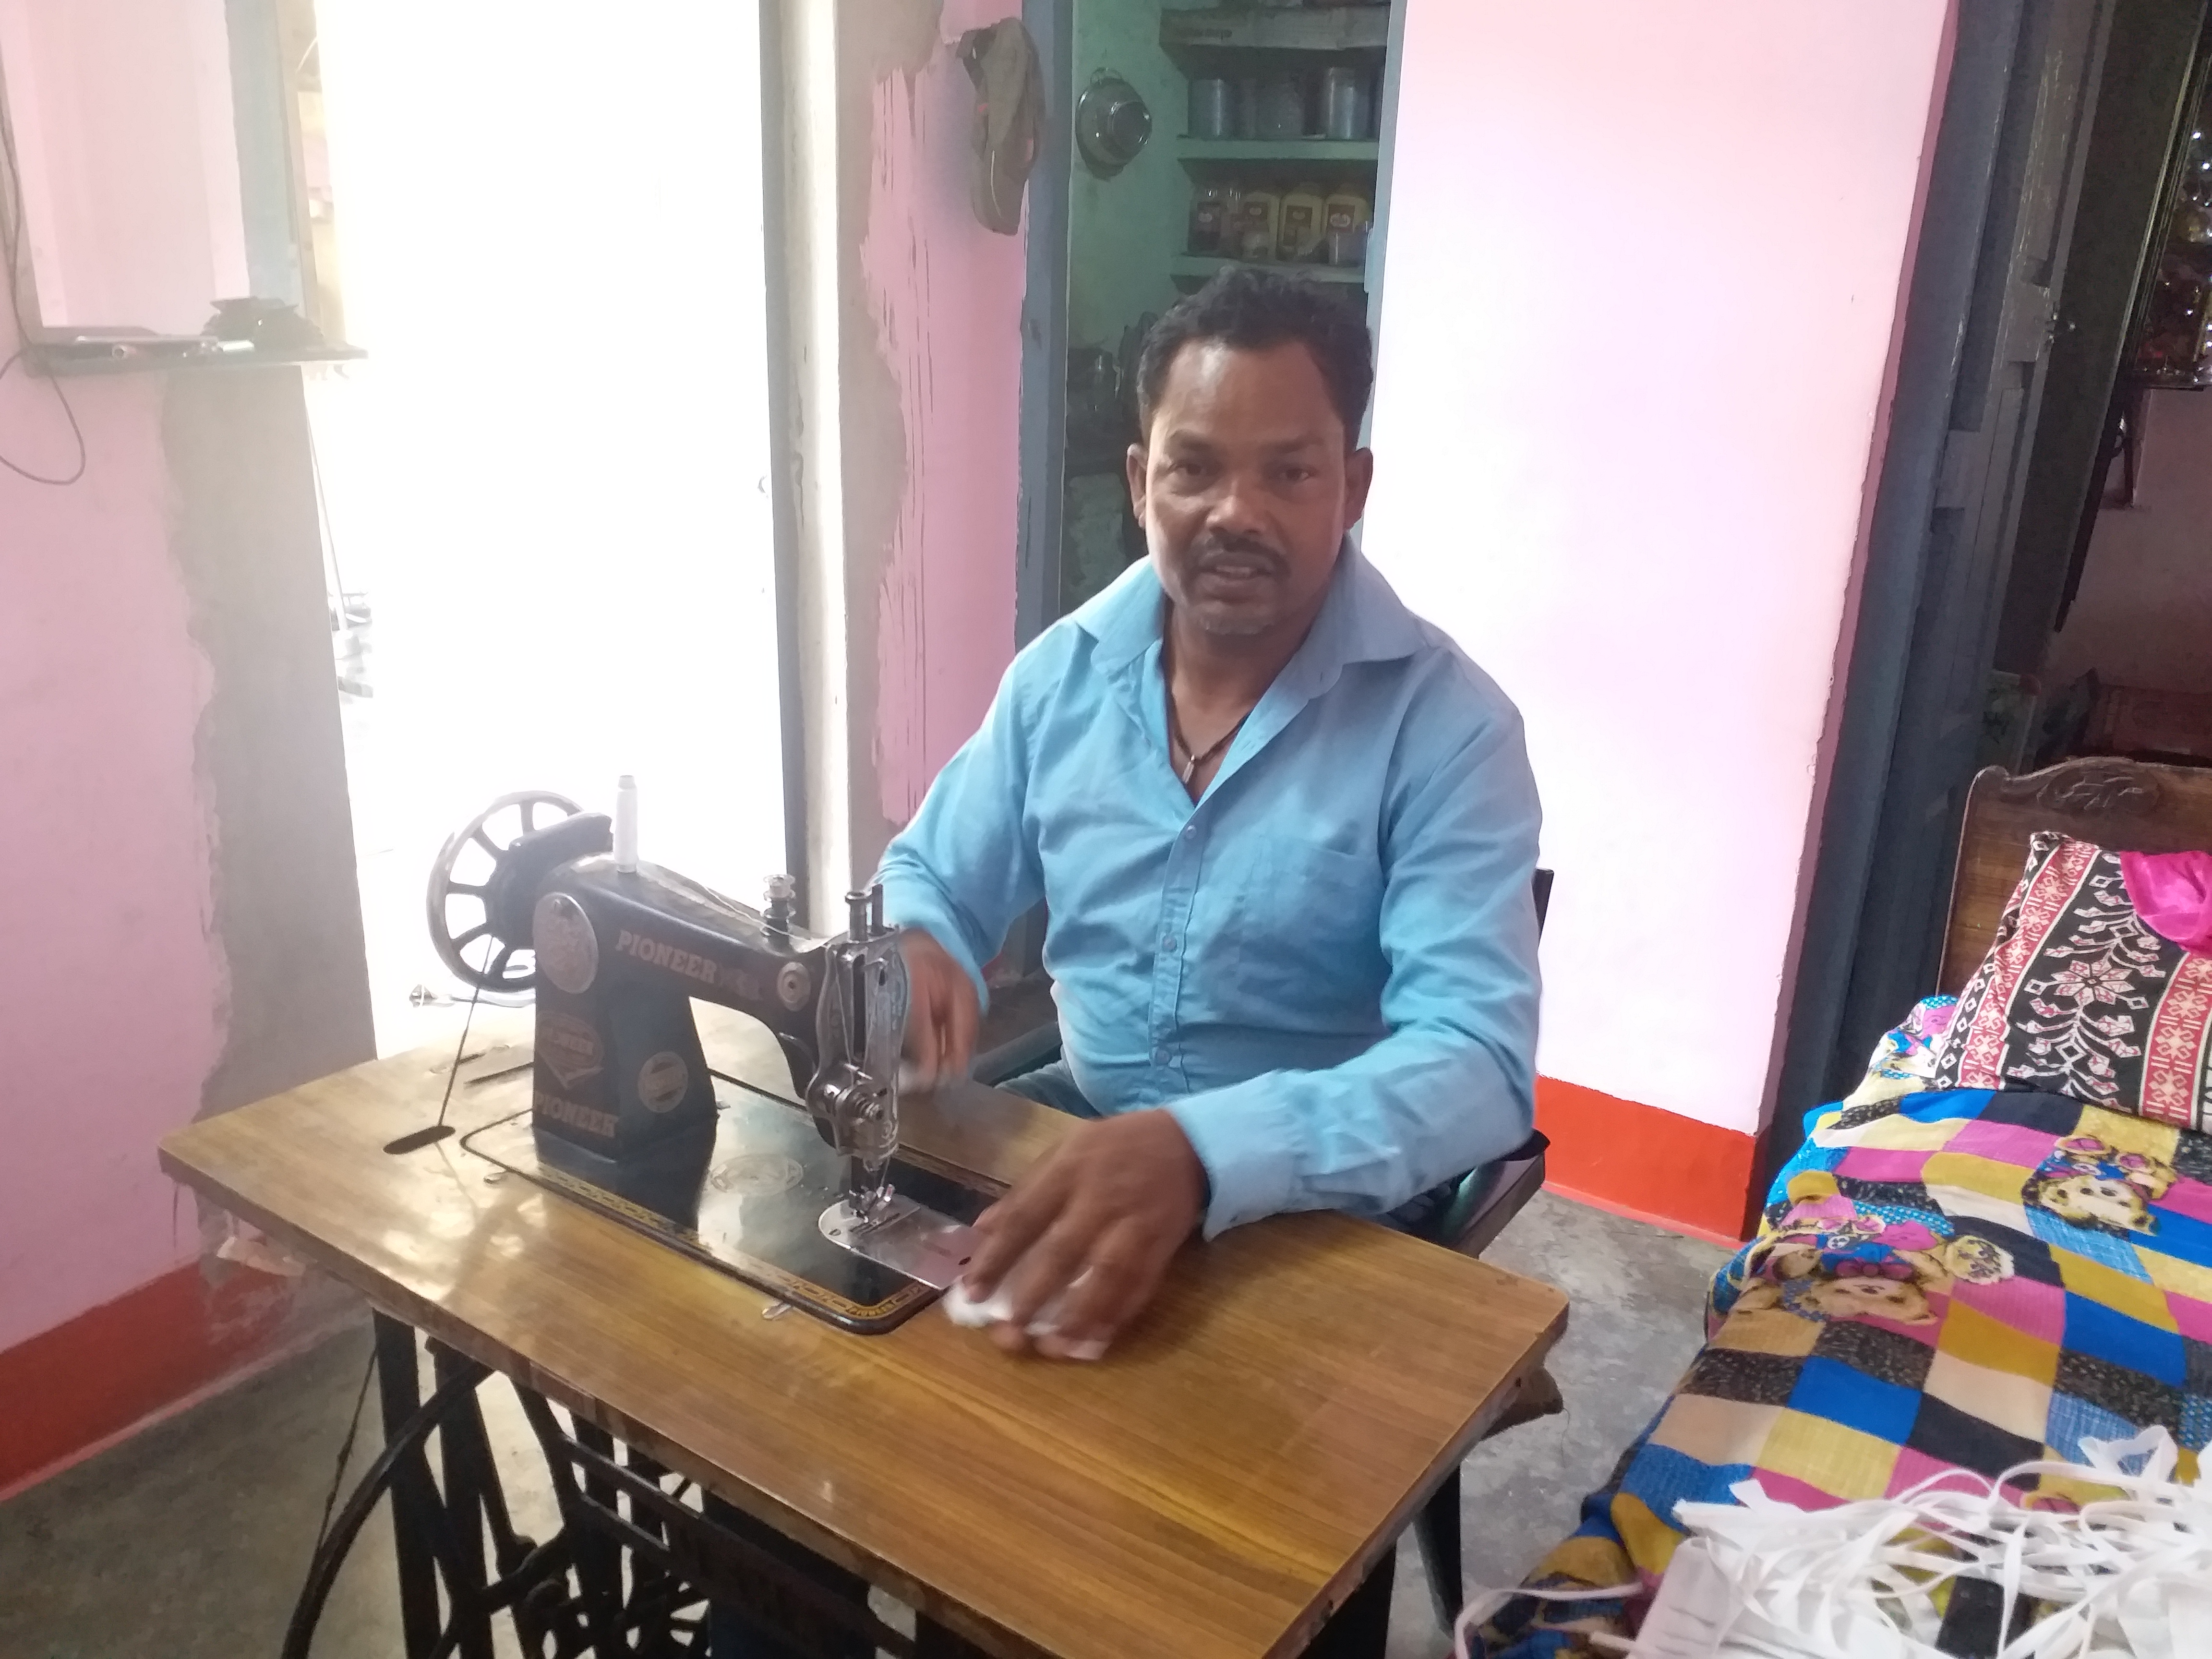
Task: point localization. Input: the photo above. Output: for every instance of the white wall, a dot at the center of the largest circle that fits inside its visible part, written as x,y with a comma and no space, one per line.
1643,267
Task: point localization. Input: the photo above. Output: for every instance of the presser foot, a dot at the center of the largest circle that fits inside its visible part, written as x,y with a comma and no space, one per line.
905,1237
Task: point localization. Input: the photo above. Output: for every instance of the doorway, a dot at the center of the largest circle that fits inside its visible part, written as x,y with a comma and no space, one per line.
1182,139
2058,173
2105,642
547,488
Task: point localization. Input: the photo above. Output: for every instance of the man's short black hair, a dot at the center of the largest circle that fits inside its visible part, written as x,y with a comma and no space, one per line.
1252,308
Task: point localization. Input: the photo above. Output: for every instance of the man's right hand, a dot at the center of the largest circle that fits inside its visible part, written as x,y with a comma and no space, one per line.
941,1012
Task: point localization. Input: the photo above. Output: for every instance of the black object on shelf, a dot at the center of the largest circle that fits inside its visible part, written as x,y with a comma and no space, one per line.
264,322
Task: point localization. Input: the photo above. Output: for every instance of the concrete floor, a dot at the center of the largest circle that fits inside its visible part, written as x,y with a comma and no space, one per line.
189,1540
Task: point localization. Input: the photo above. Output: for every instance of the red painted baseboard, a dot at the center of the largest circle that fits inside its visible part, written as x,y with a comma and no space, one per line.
78,1385
1641,1162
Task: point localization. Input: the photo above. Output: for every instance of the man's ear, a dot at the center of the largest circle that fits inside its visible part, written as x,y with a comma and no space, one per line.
1135,461
1358,479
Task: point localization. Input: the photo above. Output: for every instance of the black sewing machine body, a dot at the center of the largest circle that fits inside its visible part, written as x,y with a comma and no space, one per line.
620,954
625,1114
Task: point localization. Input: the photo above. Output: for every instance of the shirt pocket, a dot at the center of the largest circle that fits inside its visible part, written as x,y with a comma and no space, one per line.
1307,953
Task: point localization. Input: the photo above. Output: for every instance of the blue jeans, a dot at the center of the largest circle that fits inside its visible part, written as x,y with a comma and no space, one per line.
1052,1084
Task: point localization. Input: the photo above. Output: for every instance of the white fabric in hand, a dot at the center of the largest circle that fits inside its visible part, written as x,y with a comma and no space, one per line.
964,1310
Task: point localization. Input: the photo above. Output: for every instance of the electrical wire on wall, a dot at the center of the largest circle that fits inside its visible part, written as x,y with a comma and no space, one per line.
11,243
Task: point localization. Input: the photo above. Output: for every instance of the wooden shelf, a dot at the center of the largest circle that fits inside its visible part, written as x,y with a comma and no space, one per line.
1197,267
1288,28
158,356
1366,150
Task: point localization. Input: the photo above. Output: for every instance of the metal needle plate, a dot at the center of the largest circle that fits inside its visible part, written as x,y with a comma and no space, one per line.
907,1238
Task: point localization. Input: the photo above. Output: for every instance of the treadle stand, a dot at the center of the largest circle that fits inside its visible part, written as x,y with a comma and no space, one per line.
629,1575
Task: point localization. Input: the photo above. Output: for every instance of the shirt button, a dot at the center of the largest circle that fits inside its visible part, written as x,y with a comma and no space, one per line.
1160,1055
1189,832
1167,941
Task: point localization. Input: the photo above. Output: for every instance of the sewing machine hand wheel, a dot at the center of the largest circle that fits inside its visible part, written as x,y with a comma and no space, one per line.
499,973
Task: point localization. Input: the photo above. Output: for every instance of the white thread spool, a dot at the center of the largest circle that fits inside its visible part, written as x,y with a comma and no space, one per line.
626,824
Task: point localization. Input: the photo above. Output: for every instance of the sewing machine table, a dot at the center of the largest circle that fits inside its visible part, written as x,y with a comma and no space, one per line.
1225,1477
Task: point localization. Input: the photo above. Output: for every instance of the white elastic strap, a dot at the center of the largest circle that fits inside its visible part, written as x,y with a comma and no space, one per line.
2125,1576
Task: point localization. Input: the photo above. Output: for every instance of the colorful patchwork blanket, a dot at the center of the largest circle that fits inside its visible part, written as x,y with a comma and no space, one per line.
1952,1280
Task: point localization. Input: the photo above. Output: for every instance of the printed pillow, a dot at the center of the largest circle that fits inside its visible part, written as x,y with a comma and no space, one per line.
2079,996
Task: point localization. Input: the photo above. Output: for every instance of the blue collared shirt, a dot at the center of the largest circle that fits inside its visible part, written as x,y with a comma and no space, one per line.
1326,967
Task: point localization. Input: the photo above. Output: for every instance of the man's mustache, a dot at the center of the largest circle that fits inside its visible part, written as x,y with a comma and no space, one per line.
1209,551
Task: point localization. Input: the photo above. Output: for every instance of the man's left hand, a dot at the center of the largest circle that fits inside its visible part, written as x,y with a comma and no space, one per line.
1109,1205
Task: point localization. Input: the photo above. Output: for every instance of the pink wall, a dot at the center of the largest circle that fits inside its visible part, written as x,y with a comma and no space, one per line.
124,128
110,1012
2144,614
945,297
1643,275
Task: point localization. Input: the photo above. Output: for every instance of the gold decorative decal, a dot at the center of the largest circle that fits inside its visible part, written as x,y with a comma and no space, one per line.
658,953
566,948
548,1104
662,1080
569,1046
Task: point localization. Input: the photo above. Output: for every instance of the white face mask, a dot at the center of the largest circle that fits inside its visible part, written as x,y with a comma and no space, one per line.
1762,1579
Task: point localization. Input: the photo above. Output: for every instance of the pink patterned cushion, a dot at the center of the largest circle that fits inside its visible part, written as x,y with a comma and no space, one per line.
2079,996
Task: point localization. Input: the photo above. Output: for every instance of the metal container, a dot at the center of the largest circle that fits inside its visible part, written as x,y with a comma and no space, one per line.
1347,103
1213,107
1279,106
1111,125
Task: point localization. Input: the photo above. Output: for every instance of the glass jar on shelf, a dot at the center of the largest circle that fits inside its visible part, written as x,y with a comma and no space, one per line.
1304,228
1349,215
1259,221
1212,216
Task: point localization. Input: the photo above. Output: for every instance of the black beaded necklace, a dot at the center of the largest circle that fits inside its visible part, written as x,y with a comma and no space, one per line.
1191,763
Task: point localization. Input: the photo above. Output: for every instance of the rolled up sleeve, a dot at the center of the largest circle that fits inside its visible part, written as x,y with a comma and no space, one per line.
966,866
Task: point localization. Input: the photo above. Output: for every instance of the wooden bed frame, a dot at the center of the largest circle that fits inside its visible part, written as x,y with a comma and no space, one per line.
2131,806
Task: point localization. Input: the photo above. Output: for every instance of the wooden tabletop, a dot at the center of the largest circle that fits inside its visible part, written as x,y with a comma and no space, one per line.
1216,1486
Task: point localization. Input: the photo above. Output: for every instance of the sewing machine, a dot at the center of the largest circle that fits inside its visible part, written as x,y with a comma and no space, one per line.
624,1111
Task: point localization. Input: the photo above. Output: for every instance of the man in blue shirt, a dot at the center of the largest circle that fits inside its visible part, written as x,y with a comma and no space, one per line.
1283,830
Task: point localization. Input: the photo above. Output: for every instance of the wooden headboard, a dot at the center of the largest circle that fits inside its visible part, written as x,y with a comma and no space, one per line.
2131,806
